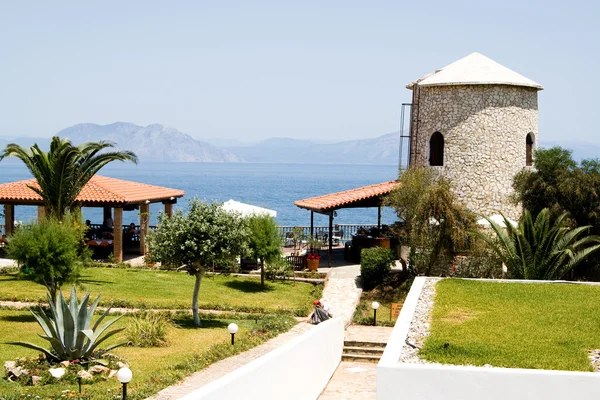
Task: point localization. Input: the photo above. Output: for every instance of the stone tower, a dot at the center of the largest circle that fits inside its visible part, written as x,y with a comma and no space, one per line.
475,121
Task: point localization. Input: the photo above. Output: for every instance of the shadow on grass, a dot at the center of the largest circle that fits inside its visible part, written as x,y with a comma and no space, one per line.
18,318
248,286
93,281
188,323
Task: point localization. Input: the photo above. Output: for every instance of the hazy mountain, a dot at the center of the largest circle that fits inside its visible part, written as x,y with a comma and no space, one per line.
151,143
380,150
160,143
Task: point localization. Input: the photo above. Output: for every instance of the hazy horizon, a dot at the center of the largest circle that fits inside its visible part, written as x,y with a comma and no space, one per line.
313,70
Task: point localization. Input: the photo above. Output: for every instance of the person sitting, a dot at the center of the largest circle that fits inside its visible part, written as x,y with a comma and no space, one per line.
107,228
129,235
320,312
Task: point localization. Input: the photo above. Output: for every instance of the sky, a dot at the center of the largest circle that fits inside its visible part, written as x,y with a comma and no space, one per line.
241,70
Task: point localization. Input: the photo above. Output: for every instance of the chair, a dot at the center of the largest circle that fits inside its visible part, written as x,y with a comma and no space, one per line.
337,236
289,239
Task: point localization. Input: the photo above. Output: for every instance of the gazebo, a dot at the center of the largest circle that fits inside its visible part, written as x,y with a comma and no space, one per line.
100,191
362,197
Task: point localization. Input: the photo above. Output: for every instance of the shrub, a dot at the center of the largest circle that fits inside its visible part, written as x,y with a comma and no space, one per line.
148,329
375,266
48,252
278,268
275,324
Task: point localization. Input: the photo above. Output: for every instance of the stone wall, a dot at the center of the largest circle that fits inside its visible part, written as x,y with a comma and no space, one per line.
484,128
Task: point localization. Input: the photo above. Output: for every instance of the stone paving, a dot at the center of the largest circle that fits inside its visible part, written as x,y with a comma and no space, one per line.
360,333
352,381
356,380
223,367
342,292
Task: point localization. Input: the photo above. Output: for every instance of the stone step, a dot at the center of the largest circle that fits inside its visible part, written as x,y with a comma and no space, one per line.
375,351
355,343
360,358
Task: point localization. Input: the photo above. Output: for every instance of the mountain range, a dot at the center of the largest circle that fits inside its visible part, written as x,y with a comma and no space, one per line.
158,142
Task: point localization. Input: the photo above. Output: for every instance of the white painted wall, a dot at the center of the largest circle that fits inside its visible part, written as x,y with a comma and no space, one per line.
298,370
445,382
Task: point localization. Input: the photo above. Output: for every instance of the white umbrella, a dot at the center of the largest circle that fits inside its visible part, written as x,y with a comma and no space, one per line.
497,218
247,210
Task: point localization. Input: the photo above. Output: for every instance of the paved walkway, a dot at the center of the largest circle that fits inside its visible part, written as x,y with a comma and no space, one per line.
342,292
361,333
356,380
352,381
223,367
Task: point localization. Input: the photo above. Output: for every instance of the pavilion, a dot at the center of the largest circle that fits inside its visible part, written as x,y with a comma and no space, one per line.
362,197
100,191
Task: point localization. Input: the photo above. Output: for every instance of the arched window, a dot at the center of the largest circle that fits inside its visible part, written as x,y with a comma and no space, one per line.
529,150
436,150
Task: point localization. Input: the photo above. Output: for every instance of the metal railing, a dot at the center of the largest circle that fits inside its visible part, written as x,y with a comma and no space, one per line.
347,229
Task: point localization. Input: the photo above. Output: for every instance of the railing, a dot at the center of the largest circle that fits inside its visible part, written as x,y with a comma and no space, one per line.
347,229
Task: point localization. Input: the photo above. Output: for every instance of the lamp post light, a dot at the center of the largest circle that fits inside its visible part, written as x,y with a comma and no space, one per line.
375,306
232,328
124,376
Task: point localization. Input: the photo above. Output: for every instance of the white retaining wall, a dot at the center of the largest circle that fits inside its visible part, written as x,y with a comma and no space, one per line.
298,370
436,382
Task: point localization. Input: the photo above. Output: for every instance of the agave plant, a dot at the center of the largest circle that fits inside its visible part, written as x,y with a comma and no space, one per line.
67,328
539,250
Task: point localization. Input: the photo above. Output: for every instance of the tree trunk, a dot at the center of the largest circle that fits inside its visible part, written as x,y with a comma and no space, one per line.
262,273
199,275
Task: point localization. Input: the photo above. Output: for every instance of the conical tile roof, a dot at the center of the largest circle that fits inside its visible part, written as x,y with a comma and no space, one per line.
474,69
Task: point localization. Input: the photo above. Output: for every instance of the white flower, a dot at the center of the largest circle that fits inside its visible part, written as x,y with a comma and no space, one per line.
57,372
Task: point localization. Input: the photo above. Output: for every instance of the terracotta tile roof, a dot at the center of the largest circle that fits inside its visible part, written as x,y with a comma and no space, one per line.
346,198
100,189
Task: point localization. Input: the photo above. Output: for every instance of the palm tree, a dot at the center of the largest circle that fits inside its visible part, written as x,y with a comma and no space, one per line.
539,250
62,172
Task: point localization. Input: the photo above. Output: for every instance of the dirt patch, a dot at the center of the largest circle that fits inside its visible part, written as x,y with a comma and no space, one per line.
459,316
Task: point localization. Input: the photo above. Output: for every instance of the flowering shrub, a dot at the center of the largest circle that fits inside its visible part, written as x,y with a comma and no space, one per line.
313,256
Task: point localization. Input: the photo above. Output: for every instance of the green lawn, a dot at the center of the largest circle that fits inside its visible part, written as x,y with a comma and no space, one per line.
153,368
541,326
173,290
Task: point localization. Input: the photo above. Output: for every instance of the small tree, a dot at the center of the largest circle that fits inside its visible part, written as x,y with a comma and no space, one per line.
205,236
49,252
436,225
264,242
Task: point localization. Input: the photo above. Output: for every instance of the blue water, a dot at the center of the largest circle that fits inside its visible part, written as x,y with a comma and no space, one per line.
274,186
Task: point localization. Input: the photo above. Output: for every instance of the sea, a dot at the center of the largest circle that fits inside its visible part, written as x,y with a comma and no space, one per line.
273,186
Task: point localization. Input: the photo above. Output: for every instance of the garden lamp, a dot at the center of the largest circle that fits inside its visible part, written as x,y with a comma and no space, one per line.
374,306
232,328
124,376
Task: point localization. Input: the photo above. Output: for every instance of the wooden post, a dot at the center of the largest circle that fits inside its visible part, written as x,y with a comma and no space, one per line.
41,213
118,235
312,224
329,252
379,217
169,209
9,219
144,218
